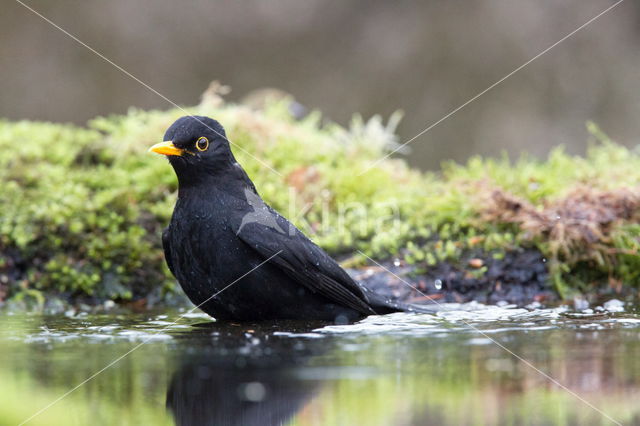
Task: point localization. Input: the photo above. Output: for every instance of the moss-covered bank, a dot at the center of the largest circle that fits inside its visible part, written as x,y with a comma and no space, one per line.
81,209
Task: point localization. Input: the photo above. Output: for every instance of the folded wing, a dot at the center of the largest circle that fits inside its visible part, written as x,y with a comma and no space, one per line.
305,262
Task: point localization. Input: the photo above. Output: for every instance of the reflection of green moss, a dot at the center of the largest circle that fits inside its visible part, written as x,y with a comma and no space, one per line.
35,379
82,208
22,398
447,381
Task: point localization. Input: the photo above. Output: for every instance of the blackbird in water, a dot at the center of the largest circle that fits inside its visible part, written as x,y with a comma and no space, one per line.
236,257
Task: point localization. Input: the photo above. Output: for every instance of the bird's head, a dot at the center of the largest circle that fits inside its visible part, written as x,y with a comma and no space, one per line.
196,146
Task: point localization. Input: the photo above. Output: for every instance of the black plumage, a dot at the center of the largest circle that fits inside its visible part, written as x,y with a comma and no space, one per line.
224,240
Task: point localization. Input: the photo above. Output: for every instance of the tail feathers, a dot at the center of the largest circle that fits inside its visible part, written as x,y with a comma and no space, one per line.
383,305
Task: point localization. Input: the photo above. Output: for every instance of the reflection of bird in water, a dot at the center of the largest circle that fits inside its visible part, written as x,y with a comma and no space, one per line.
260,214
229,384
207,394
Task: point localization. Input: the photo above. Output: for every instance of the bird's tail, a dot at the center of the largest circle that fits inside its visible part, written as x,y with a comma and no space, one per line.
383,305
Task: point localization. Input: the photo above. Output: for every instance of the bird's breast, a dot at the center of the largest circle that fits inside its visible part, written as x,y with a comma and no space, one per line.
205,233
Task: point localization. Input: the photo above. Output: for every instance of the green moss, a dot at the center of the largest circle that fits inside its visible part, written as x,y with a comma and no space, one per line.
82,209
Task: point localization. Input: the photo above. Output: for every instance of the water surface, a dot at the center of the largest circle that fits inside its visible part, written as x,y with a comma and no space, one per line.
469,365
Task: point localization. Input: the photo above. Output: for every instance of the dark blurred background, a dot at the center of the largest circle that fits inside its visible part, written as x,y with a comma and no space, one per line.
371,57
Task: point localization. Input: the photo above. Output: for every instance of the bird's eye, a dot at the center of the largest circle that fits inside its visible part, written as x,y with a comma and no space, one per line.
202,144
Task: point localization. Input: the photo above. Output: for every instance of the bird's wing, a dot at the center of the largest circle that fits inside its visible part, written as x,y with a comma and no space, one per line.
167,249
305,262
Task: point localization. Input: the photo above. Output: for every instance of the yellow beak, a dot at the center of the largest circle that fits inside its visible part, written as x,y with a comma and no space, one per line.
166,148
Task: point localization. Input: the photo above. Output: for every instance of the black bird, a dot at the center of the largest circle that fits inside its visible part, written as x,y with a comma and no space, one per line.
224,240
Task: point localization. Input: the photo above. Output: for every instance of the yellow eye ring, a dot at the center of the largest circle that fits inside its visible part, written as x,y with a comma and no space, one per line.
202,144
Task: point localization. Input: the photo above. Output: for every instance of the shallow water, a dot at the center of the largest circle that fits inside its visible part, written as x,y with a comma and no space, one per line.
471,364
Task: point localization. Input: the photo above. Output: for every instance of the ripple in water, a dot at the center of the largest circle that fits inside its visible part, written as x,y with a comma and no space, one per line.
487,319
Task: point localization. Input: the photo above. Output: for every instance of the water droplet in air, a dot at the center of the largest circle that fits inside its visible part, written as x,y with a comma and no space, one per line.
437,284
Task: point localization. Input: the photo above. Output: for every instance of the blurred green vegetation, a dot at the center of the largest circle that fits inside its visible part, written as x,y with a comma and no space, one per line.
82,209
